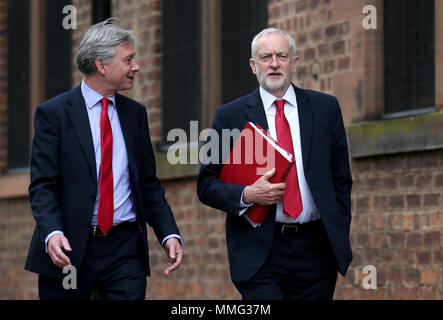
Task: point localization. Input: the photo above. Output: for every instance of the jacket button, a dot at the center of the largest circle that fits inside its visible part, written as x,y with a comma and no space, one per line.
92,198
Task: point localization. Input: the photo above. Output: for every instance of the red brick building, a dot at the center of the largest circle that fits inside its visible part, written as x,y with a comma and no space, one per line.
385,67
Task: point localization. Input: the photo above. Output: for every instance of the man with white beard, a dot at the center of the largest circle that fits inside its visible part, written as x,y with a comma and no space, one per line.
296,252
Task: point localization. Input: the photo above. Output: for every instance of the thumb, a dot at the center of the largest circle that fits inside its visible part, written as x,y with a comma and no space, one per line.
172,254
269,174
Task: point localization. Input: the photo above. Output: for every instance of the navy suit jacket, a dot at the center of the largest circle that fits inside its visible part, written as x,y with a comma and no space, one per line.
326,167
63,184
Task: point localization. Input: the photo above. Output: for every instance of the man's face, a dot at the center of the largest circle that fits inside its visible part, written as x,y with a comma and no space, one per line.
119,74
273,64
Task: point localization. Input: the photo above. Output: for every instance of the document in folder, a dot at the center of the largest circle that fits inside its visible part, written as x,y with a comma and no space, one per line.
254,153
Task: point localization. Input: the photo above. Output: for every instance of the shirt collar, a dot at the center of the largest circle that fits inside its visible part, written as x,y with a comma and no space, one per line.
268,98
92,97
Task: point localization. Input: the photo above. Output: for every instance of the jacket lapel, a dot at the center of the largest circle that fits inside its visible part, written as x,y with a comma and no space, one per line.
305,122
80,122
255,112
127,124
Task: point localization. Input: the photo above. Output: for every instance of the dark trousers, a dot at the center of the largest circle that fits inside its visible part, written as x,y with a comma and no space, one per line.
300,266
113,267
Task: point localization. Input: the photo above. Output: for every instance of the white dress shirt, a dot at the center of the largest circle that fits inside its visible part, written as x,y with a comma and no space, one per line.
310,211
123,209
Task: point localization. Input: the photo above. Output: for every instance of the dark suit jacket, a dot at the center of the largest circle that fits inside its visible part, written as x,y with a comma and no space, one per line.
326,167
63,184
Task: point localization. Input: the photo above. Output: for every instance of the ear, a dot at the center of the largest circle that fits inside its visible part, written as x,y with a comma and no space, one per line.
253,66
295,63
100,65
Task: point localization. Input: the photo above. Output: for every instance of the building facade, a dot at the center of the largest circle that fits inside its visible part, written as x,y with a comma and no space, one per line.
383,60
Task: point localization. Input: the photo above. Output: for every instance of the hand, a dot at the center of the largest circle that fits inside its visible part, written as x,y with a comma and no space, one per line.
174,253
263,192
55,245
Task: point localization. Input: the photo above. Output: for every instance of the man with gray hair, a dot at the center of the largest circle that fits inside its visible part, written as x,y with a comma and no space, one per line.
93,182
296,251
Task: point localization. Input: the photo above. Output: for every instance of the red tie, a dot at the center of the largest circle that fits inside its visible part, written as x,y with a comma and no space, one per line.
292,205
106,185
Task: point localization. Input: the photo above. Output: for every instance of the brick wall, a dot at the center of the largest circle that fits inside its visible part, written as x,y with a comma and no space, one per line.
204,273
16,227
397,206
323,44
337,55
397,200
144,17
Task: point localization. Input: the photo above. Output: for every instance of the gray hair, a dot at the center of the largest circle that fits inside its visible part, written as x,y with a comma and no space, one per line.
269,31
99,42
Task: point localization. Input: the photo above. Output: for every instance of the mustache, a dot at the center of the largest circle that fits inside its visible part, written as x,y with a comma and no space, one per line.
273,72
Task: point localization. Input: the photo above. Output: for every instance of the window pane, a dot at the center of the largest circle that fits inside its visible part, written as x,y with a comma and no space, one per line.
58,50
409,55
101,10
18,84
242,20
181,64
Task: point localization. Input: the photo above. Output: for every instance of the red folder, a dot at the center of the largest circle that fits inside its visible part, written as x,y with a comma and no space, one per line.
254,153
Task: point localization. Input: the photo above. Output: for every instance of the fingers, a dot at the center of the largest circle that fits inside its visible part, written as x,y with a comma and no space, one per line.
174,253
271,193
59,258
264,192
174,262
277,186
274,189
271,186
55,245
65,244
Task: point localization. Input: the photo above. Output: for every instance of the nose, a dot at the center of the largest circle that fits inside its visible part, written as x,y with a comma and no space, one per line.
274,61
135,66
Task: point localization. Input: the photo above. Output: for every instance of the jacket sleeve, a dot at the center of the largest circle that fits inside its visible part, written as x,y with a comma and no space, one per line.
340,166
158,212
45,172
210,189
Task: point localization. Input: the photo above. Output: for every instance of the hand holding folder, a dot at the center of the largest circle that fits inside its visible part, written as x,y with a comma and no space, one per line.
255,153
